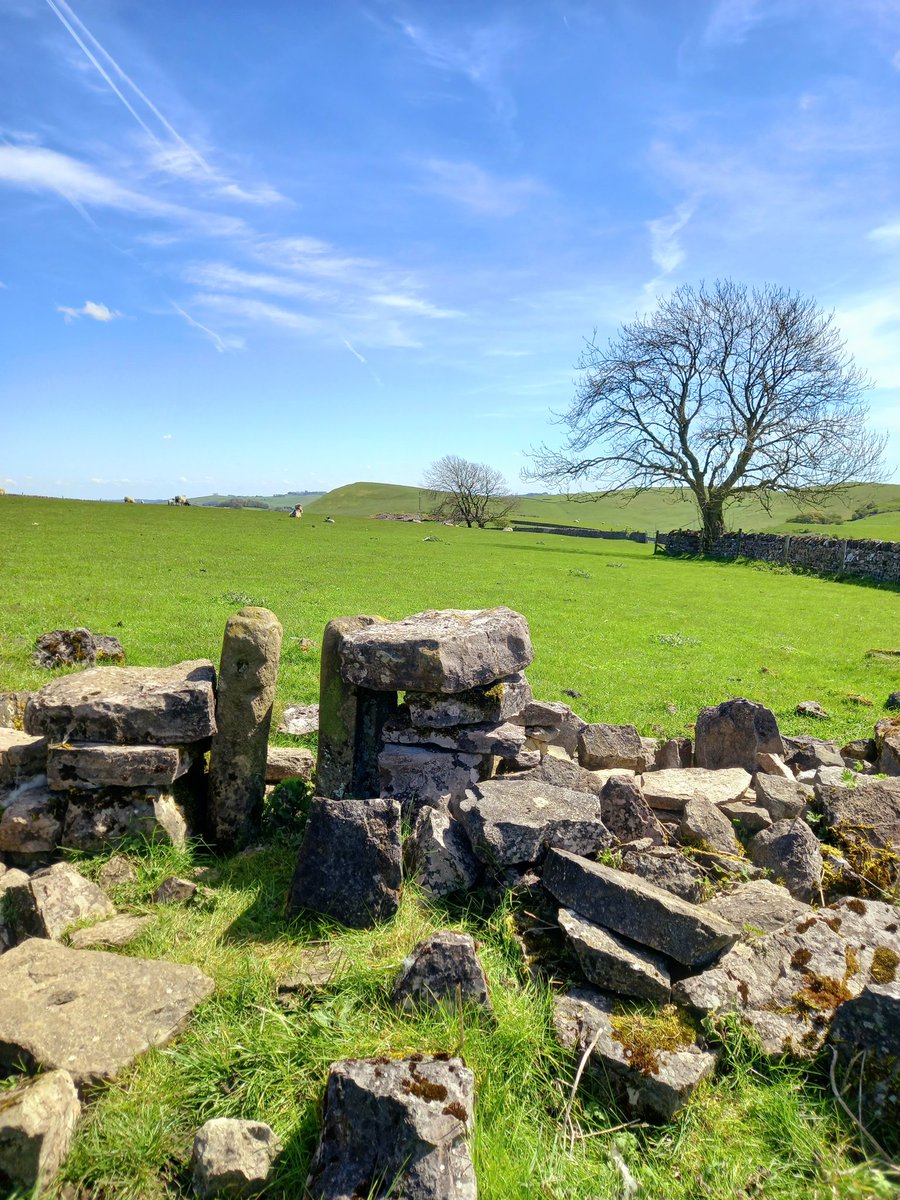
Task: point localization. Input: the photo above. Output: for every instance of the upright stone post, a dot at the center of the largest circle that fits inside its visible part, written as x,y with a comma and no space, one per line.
351,719
237,763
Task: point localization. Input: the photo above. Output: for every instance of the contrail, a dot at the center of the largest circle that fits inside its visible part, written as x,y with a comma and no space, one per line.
69,20
364,361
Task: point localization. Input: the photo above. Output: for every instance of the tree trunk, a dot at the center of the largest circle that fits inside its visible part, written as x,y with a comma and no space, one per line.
713,514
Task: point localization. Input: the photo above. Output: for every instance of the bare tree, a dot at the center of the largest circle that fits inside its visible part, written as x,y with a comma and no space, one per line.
468,491
726,392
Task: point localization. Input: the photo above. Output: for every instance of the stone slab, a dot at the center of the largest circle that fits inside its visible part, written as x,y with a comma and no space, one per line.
167,706
613,964
514,819
635,909
37,1126
21,755
670,790
492,705
452,650
88,1012
89,765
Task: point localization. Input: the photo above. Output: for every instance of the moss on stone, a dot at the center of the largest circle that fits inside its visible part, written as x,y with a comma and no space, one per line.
884,965
645,1032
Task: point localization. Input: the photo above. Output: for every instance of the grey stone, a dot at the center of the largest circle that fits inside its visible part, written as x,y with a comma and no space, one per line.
491,705
783,799
70,647
89,765
57,898
790,850
287,762
299,719
117,871
887,745
758,905
116,932
671,790
637,910
420,775
565,772
751,817
103,818
674,754
733,734
233,1158
175,891
893,701
21,755
871,1023
525,760
704,826
809,753
30,823
625,812
666,867
12,709
438,854
860,750
88,1011
167,706
400,1123
349,865
444,969
15,892
37,1125
871,807
773,764
811,708
350,720
506,740
552,723
453,650
514,819
321,966
656,1086
248,673
788,984
614,964
601,747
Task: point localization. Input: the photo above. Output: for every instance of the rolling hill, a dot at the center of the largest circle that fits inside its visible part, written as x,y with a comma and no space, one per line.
656,509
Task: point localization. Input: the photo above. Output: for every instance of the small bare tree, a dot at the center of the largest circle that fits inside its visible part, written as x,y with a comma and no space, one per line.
726,392
468,491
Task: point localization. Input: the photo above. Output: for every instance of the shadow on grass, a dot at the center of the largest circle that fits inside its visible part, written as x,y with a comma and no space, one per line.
769,568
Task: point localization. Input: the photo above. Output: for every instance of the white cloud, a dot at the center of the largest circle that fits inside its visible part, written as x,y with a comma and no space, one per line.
871,328
221,277
258,312
475,189
731,20
886,233
476,54
97,312
665,248
167,437
36,168
412,304
895,61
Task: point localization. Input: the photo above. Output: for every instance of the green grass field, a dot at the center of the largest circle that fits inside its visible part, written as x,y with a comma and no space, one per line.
659,509
643,638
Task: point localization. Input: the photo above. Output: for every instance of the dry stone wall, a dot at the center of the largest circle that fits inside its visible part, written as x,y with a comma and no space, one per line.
854,557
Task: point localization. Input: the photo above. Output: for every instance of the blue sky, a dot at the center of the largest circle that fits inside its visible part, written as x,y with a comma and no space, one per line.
252,247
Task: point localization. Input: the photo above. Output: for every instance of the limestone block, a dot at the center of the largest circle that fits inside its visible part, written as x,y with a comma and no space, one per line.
30,822
490,705
167,706
453,650
438,854
248,673
637,910
444,969
349,865
602,747
790,851
289,762
97,820
402,1120
88,765
21,755
420,775
89,1011
614,964
671,790
733,734
58,897
37,1125
233,1158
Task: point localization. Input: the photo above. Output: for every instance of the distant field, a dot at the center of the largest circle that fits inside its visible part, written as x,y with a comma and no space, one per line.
657,509
288,500
644,639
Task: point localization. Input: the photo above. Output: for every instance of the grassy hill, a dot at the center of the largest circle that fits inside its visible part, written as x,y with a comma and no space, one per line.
284,500
660,508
